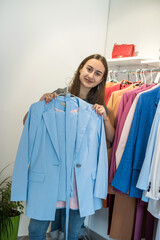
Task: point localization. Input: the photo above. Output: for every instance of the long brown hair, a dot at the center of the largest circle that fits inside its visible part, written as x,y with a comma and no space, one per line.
97,93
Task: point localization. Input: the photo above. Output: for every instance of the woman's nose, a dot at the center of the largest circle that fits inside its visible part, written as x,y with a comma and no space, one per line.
91,74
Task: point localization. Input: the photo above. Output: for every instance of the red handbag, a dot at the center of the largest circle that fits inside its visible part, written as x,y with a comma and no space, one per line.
123,50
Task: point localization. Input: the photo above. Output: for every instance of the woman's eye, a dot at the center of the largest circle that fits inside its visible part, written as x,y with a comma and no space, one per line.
89,69
98,74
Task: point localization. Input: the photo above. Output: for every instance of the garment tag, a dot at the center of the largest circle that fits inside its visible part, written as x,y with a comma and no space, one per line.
63,104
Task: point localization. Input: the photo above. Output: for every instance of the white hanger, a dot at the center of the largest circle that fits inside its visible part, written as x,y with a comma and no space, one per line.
141,75
137,78
144,77
109,75
67,81
152,76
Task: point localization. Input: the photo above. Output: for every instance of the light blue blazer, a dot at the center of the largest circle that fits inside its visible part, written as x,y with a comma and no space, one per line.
59,138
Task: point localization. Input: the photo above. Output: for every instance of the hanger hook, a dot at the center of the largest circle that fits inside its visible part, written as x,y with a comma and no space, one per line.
145,80
109,75
152,75
138,70
114,72
141,75
67,81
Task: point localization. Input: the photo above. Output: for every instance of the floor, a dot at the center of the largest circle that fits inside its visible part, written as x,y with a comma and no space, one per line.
91,236
27,238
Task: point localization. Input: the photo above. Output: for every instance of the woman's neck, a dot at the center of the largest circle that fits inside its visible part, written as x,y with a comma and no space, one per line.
83,92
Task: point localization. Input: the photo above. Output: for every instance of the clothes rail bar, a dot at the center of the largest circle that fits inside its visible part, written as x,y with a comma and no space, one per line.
134,71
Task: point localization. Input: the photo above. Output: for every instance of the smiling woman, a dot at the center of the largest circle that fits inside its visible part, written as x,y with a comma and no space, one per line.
88,84
90,78
91,74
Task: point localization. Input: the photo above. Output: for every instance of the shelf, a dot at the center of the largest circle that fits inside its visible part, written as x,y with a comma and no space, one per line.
152,63
128,61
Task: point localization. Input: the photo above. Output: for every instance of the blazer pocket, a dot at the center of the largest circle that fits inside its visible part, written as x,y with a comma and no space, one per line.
36,177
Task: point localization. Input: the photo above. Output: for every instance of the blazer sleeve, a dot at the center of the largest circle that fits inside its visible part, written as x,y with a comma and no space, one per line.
20,172
101,184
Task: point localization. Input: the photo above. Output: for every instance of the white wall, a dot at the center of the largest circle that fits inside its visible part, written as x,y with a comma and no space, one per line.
42,43
130,21
135,21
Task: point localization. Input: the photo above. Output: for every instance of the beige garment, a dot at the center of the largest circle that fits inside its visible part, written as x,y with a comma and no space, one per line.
114,102
110,84
126,128
124,213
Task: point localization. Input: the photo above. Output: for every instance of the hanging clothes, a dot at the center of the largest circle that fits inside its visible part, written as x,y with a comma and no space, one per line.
55,142
114,102
115,87
126,128
154,176
138,211
154,209
128,171
121,225
123,109
143,180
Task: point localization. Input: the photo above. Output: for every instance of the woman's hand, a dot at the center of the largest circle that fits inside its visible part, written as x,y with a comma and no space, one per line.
48,97
109,129
100,110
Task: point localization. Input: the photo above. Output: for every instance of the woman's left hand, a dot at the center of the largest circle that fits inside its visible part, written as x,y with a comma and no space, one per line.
100,110
109,129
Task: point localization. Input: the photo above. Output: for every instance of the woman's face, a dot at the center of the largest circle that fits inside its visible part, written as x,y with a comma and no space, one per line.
92,73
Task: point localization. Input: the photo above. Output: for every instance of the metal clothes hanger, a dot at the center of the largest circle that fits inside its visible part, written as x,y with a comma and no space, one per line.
141,75
137,78
152,76
67,82
144,77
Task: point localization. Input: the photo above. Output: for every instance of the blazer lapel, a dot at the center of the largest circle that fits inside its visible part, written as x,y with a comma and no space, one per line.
83,118
50,121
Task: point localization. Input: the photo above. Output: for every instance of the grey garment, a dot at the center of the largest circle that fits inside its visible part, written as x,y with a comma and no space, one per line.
60,90
64,90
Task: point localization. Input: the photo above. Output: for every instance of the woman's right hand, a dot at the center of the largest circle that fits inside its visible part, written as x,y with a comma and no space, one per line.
48,97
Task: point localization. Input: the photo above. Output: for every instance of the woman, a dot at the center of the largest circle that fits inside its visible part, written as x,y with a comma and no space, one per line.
88,84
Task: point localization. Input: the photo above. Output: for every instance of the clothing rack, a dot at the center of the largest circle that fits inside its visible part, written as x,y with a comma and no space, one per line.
141,72
135,71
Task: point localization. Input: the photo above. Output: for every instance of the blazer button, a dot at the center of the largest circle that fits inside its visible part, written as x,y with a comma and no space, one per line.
78,165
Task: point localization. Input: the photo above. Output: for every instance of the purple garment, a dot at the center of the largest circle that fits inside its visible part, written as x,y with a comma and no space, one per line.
149,227
139,220
139,223
123,109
